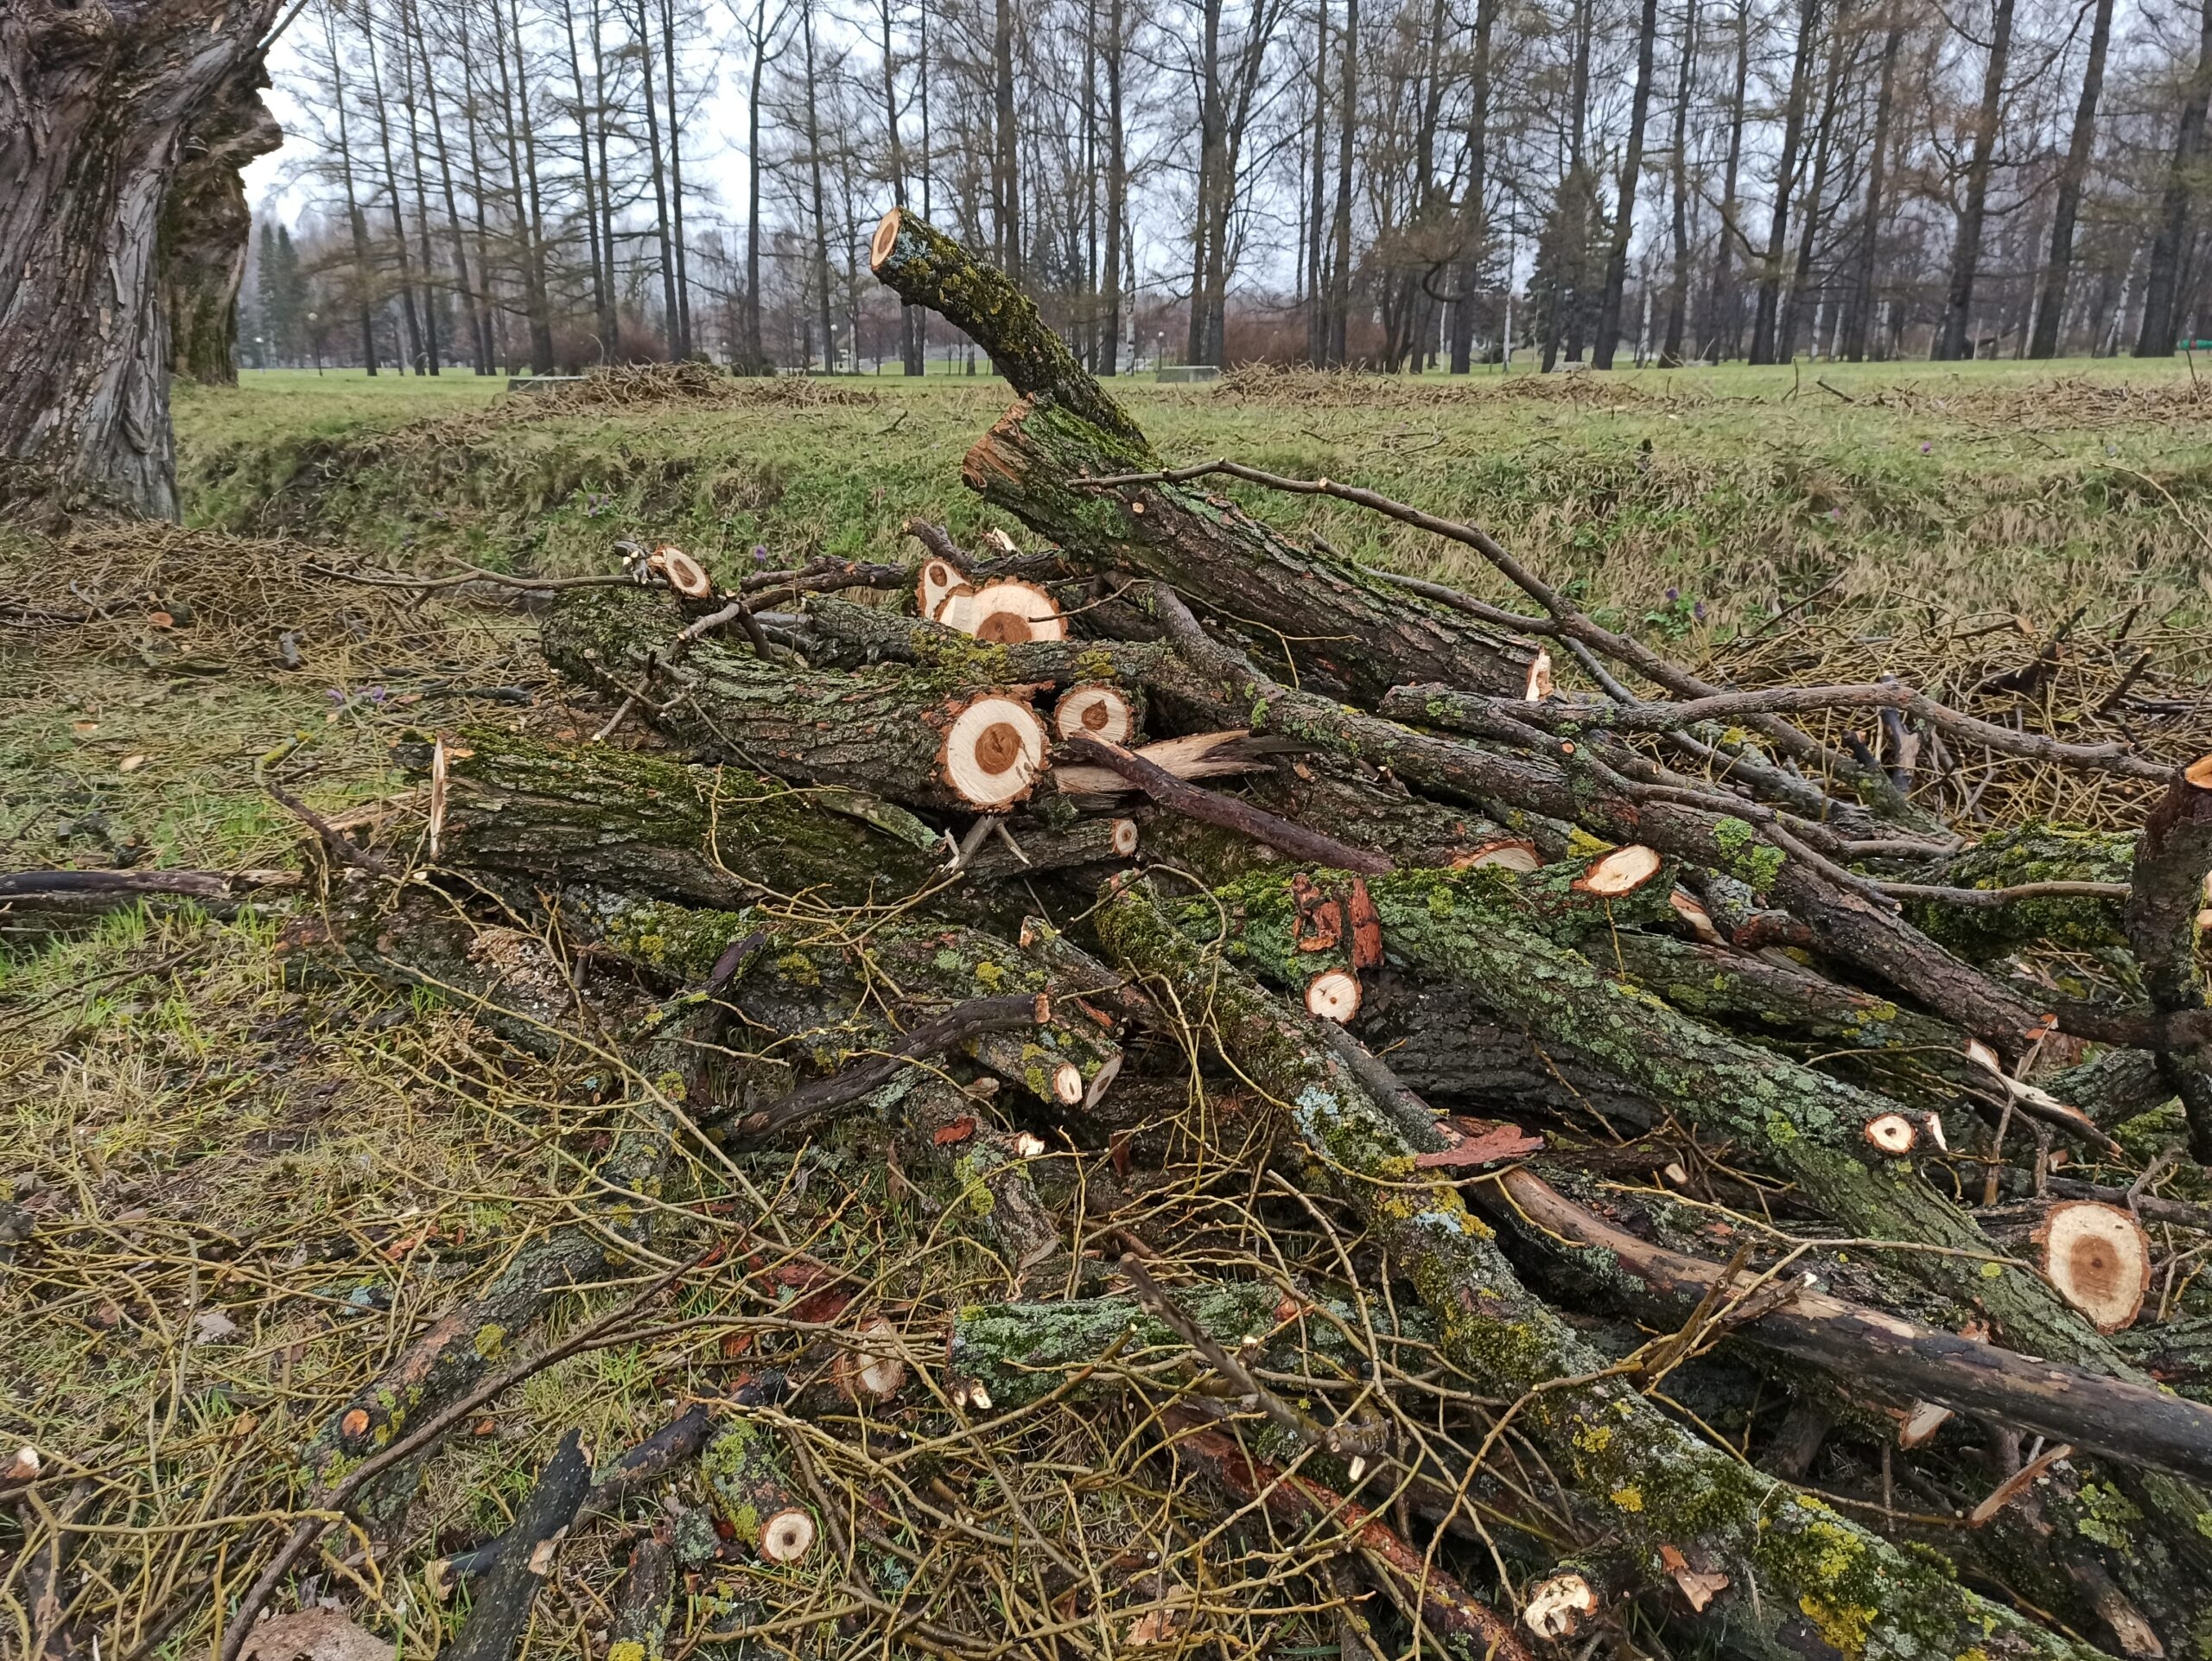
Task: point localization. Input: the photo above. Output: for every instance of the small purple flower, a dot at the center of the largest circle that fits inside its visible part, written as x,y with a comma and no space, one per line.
1836,512
376,695
1672,594
334,695
759,553
1698,611
1926,449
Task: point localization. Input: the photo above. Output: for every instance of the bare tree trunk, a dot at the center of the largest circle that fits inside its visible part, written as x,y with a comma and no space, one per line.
1317,307
416,356
204,226
1609,308
1006,155
1723,308
821,220
676,181
1118,192
1348,116
409,102
910,317
529,213
1199,346
1764,328
603,279
2050,306
1870,236
610,322
362,284
670,316
755,355
1954,341
492,318
1678,283
1842,50
1580,195
472,299
1474,221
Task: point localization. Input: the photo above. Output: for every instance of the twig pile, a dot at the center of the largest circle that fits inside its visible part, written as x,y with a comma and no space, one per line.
1185,1093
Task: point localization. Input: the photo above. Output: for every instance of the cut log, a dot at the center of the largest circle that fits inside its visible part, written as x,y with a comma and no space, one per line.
2137,1423
685,576
643,824
751,1490
1891,1135
1097,708
1195,755
2099,1258
501,1609
1333,995
1620,873
936,580
1357,630
1003,613
1559,1604
994,751
1511,854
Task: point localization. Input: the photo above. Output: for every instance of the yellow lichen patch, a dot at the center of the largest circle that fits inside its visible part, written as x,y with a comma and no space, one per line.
1629,1499
491,1339
1844,1626
628,1650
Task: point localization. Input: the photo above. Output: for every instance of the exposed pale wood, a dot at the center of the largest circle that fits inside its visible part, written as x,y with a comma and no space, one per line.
1333,995
994,751
1097,708
2099,1258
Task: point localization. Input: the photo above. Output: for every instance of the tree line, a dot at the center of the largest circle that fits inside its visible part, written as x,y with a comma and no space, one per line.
1395,184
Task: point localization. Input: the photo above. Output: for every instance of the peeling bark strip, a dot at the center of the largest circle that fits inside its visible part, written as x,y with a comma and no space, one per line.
99,104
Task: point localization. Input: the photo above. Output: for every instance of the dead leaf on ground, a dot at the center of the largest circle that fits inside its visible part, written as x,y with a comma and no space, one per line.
959,1130
130,763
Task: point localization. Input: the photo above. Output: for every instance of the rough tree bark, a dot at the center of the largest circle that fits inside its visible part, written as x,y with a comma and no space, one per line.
95,113
205,225
2051,305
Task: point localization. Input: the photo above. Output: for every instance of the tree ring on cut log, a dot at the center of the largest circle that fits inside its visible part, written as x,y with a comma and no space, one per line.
681,572
2099,1259
1124,836
1004,614
1512,854
886,235
1333,995
994,751
1557,1607
938,578
2199,773
1892,1134
1688,907
787,1537
1096,708
873,1367
1067,1083
1102,1080
1620,873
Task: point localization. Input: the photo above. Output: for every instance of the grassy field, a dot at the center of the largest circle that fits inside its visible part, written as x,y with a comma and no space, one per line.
320,1168
1945,492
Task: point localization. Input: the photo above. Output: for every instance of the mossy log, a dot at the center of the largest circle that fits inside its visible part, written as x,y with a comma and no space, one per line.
1356,632
826,1000
748,1477
650,824
1821,1131
2036,852
2134,1423
1823,1580
497,1618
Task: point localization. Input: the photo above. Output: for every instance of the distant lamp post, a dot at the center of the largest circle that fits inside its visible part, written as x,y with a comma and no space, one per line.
314,340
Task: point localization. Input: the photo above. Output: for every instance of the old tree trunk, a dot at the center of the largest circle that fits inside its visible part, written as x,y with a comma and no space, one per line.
105,110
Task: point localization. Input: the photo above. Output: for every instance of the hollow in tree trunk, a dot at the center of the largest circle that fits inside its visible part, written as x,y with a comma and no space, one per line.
93,123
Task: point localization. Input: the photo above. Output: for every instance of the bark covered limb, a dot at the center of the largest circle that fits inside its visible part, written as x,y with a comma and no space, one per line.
1665,1487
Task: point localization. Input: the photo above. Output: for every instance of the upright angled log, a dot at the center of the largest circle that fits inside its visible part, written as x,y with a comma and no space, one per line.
95,111
1359,632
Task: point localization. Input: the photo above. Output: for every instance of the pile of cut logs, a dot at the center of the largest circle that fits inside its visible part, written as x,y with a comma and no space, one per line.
1643,1008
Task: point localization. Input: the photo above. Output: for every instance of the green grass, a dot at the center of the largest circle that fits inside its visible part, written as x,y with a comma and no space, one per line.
1974,489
